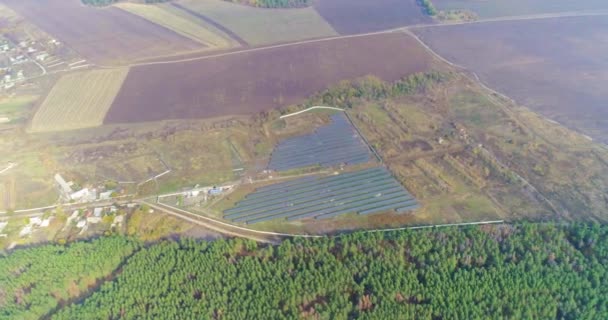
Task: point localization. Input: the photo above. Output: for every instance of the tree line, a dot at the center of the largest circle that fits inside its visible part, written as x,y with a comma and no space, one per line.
525,271
346,94
254,3
274,3
427,7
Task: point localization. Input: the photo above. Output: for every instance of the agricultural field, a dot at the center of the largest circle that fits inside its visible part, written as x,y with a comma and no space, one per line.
258,26
78,100
15,108
503,8
361,16
103,36
250,82
463,154
556,67
180,22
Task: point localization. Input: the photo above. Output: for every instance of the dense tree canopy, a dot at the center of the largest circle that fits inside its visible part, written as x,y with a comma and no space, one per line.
427,7
346,93
529,271
34,281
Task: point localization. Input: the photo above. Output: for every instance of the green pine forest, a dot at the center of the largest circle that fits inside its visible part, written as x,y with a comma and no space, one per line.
522,271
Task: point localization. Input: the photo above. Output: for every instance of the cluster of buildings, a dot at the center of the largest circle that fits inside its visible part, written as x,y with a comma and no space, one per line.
27,57
93,216
69,194
35,222
12,60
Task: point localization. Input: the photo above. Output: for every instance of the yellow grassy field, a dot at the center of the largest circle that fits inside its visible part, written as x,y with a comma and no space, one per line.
79,100
181,23
260,26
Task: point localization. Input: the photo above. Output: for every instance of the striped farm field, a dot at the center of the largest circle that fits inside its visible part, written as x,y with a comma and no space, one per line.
79,100
258,26
181,23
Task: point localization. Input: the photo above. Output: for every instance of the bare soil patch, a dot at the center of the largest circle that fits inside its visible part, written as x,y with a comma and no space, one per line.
556,67
107,35
361,16
250,82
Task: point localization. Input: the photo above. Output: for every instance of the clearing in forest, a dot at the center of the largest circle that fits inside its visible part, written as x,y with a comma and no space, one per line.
79,100
180,22
260,26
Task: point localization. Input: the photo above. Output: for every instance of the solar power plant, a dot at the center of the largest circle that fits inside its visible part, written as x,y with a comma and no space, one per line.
365,191
330,145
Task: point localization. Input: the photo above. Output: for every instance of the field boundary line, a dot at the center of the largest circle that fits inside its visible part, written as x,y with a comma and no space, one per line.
263,48
231,34
386,31
444,225
196,219
525,17
369,146
293,235
267,233
309,109
10,166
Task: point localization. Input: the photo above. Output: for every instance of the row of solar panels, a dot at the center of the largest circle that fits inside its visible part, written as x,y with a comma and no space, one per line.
330,145
364,192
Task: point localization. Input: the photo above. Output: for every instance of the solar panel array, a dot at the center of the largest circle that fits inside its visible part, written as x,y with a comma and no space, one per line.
365,191
330,145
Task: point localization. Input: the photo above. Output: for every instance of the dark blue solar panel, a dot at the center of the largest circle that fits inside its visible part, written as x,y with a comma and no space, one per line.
330,145
365,191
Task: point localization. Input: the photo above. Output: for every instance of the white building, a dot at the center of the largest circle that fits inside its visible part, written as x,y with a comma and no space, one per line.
45,223
105,195
93,220
25,231
35,221
81,224
64,187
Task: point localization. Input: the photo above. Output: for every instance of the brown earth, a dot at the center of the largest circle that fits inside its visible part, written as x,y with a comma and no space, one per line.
107,35
556,67
361,16
250,82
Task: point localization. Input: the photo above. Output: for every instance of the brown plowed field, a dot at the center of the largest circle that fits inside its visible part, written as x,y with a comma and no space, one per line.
107,35
250,82
362,16
556,67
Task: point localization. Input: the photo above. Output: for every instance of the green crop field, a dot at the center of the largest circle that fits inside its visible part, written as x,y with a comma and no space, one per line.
263,26
14,107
